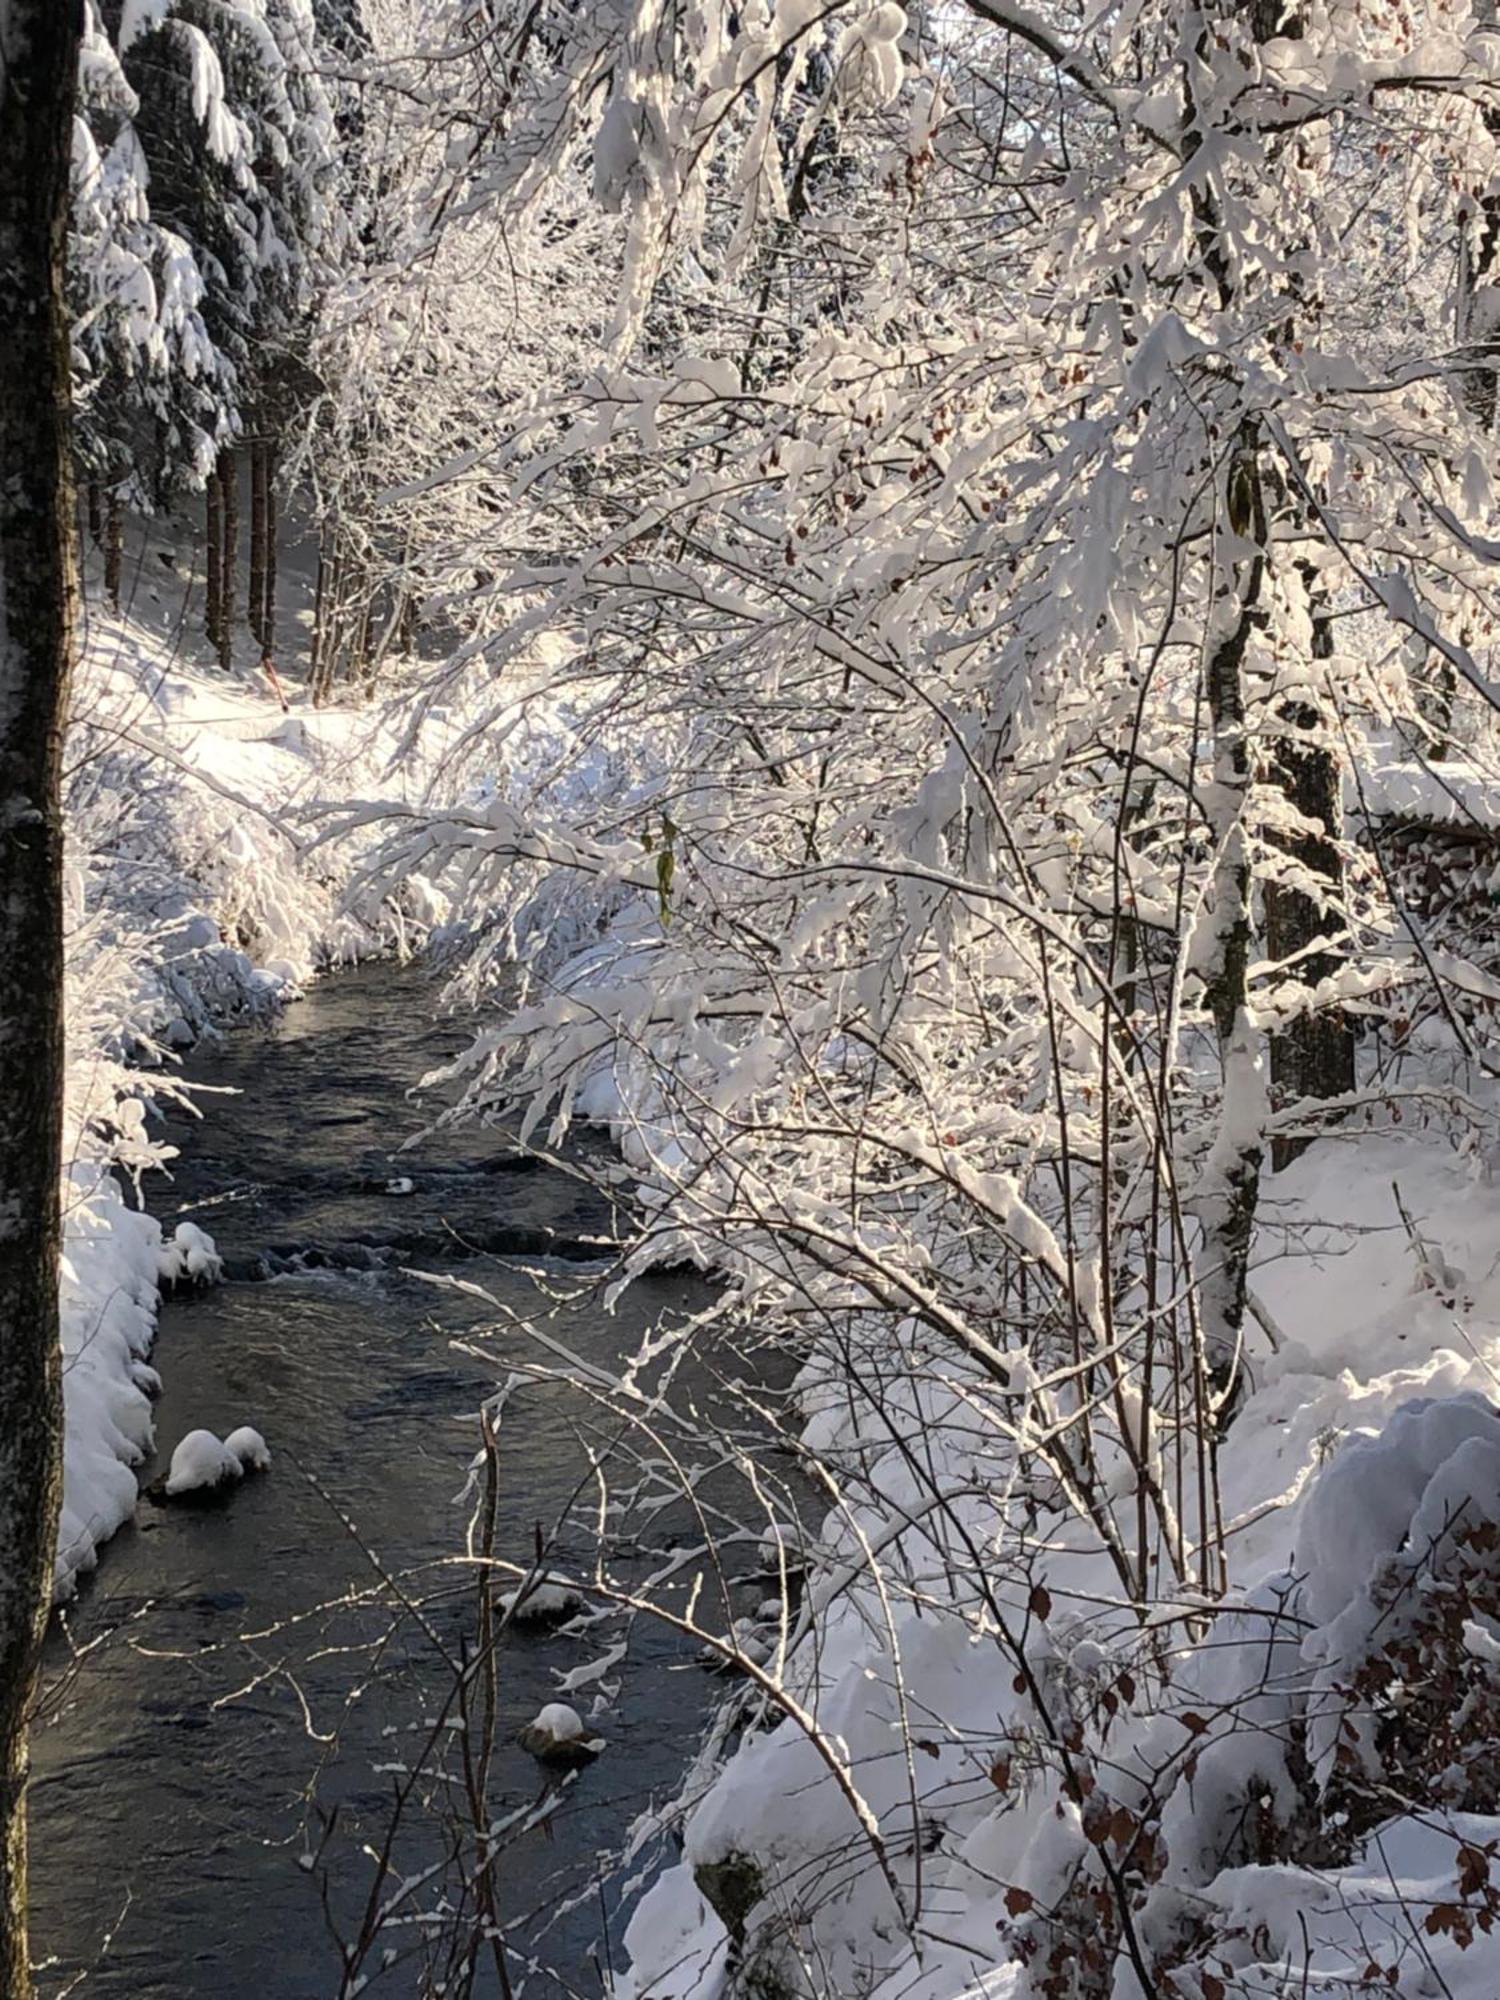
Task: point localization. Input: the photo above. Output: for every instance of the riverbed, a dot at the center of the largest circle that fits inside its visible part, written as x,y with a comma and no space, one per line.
243,1684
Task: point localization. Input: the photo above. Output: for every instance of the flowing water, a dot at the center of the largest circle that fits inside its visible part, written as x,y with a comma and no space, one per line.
225,1703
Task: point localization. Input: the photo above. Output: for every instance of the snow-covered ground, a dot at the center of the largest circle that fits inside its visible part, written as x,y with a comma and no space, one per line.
1368,1446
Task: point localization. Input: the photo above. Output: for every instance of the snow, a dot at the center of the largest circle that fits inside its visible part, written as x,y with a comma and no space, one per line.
548,1598
248,1446
1369,1433
201,1462
834,1016
1323,1931
561,1723
109,1294
556,1734
190,1257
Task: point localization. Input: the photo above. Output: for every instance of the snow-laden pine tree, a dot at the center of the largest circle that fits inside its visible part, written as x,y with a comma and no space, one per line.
209,219
153,394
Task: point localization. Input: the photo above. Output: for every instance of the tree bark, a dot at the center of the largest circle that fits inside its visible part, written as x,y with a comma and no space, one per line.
229,568
114,542
39,42
1314,1055
258,498
1478,328
268,602
320,587
1231,1188
360,665
213,535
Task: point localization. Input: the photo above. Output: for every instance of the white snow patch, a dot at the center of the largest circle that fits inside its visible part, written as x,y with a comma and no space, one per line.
200,1462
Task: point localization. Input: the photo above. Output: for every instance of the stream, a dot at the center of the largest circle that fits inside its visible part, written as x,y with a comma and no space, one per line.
225,1682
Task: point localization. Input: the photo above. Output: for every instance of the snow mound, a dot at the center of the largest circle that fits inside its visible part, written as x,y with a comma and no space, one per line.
200,1463
556,1735
249,1447
203,1462
109,1299
541,1603
190,1258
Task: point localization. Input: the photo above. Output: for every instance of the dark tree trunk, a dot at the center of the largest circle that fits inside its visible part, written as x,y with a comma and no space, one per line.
360,666
258,500
229,572
114,549
268,608
334,620
213,535
39,41
96,519
320,592
1314,1055
1478,327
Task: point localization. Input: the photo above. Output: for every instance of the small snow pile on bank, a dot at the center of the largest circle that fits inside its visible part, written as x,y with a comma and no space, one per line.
203,1462
109,1292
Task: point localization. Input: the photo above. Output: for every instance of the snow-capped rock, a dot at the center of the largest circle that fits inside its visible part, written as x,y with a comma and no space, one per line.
200,1463
555,1735
544,1602
249,1447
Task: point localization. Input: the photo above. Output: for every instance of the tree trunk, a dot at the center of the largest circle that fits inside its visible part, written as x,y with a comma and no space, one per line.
320,590
1314,1055
39,41
1230,1191
213,535
258,542
229,570
334,620
268,603
1478,328
114,548
359,668
96,519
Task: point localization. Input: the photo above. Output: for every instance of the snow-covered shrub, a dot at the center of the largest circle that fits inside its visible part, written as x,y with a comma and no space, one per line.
1401,1538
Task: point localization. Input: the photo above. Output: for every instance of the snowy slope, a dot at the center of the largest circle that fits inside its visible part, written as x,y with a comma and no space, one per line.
1370,1431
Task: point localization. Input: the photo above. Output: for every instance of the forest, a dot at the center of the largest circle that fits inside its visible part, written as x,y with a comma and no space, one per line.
750,999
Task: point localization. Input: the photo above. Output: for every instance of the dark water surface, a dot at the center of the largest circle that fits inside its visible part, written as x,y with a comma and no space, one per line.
226,1699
